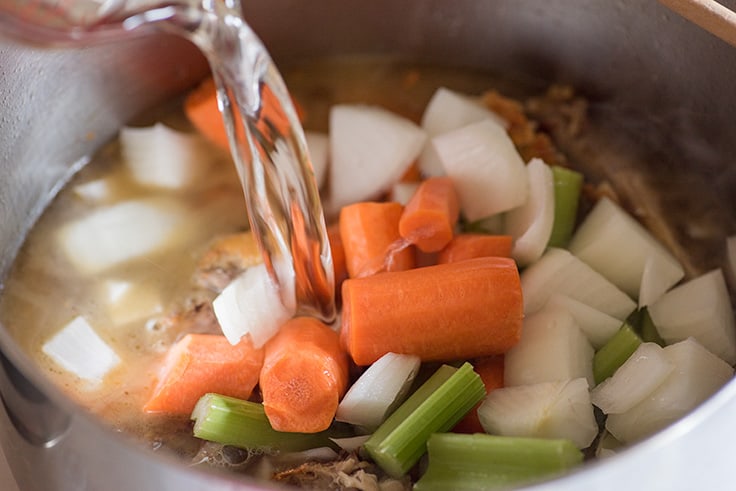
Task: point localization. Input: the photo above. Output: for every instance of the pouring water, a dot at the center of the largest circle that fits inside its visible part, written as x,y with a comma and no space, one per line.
281,194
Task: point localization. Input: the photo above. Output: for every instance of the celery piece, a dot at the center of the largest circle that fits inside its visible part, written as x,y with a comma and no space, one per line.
483,462
244,424
435,407
615,352
644,326
568,184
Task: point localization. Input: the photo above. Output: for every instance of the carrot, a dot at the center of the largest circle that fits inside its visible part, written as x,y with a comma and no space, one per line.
469,246
430,216
412,173
304,375
371,240
490,369
202,109
338,256
202,363
449,311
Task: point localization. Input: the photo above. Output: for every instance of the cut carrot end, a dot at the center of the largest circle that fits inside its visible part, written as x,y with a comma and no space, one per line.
490,369
430,216
304,375
471,246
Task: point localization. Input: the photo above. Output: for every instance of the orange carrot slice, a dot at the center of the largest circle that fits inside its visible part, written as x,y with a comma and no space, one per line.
338,256
448,312
304,375
202,109
469,246
490,369
202,363
430,216
371,240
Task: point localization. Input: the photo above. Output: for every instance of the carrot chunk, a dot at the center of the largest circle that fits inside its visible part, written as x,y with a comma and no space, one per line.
429,219
371,240
338,256
469,246
304,375
490,369
202,110
449,311
202,363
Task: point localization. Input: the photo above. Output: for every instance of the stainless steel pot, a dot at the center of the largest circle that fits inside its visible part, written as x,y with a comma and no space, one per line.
661,90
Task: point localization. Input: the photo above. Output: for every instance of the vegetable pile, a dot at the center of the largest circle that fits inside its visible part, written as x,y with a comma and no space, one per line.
489,336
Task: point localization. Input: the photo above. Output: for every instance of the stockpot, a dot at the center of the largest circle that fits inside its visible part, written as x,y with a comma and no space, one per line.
661,92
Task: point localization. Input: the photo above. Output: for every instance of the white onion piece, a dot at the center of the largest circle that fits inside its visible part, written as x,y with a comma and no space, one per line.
162,157
318,145
552,347
639,376
531,223
447,111
129,302
613,243
370,149
351,443
597,326
559,272
81,351
96,191
547,410
698,374
654,281
487,170
113,235
700,308
251,304
401,192
383,384
293,459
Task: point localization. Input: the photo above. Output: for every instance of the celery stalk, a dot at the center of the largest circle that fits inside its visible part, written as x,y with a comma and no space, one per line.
244,424
645,328
615,352
482,462
435,407
568,184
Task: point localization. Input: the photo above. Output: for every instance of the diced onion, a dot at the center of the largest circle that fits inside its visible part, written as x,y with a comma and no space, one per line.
597,326
487,170
370,149
96,191
613,243
447,111
698,374
81,351
700,308
318,145
128,302
162,157
251,304
378,389
547,410
552,347
559,272
531,223
401,192
351,443
636,379
113,235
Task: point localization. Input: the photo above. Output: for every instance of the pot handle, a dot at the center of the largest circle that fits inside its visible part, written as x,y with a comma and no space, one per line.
712,16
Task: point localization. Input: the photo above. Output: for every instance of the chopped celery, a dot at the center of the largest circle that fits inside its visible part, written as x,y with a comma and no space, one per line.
615,352
568,184
435,407
644,326
244,424
480,462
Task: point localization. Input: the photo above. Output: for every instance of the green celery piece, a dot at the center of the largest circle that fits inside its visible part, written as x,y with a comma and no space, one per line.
615,352
244,424
435,407
568,184
486,462
644,326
